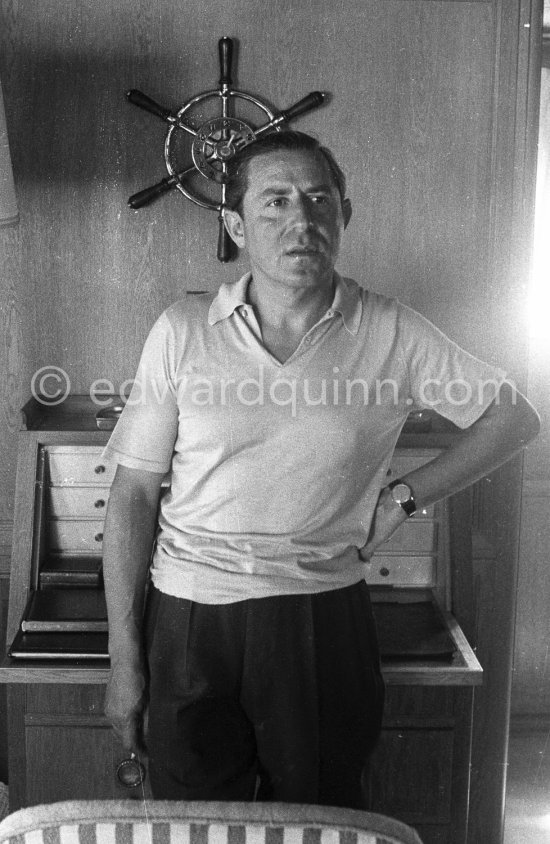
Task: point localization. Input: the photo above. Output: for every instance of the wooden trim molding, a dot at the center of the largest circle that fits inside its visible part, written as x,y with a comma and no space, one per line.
6,534
40,719
536,487
527,724
483,550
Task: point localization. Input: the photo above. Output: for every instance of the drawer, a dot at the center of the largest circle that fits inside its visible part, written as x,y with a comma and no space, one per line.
399,570
87,502
413,536
79,466
74,535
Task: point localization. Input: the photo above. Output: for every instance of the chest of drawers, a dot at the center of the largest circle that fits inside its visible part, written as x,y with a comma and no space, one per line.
76,492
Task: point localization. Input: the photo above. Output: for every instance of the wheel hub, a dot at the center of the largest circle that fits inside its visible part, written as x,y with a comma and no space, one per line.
216,142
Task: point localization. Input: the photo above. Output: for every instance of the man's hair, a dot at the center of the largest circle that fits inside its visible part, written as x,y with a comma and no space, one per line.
238,166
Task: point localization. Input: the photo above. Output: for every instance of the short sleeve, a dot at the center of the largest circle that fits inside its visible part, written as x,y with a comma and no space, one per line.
145,434
442,375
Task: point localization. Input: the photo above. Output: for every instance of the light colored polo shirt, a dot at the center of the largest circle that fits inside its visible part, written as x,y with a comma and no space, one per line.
274,468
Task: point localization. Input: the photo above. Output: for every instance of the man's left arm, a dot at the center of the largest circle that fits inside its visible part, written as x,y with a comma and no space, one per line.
505,428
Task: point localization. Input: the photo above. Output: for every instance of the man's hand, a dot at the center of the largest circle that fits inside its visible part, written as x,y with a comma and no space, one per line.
506,427
129,532
125,702
387,518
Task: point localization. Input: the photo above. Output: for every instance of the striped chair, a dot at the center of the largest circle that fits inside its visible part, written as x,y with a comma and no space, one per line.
174,822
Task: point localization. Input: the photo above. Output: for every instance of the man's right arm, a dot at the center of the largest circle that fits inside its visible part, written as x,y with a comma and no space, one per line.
129,532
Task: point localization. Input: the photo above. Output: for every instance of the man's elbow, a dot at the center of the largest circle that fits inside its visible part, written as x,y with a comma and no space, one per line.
519,417
529,428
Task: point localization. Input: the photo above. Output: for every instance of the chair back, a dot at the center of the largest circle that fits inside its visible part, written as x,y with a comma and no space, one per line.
179,822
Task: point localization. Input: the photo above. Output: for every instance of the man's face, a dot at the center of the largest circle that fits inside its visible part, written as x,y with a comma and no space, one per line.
292,219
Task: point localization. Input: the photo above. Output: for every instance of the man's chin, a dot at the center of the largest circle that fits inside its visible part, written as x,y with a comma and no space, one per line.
304,262
308,273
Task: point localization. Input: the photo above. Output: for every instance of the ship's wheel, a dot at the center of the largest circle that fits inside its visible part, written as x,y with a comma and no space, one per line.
205,133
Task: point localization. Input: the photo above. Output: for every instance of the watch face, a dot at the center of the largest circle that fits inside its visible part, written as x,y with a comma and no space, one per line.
401,493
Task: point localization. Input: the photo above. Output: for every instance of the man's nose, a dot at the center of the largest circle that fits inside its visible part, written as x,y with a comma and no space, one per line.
303,212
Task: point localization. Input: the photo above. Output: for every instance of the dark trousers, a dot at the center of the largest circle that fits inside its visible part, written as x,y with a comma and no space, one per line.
286,687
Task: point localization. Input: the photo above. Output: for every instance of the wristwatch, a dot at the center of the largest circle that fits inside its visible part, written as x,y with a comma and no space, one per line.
403,495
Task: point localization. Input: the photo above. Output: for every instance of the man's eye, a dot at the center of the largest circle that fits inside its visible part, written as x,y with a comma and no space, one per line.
320,199
277,202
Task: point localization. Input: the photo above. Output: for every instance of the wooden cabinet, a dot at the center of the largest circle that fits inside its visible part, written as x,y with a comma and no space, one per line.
419,772
60,744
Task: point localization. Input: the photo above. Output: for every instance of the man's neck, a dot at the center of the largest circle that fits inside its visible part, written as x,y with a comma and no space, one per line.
285,314
289,308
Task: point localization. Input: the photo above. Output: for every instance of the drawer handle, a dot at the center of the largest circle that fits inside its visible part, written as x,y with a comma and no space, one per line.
384,571
98,537
99,469
99,503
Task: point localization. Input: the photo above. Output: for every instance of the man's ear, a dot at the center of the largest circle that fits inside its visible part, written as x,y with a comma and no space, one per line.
346,208
234,224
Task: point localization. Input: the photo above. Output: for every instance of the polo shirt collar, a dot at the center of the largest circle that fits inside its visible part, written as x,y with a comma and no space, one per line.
347,302
232,295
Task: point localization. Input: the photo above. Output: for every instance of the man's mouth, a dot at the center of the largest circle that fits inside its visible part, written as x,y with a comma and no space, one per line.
303,250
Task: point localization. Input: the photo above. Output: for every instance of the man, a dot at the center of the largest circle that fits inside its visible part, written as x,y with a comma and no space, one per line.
274,407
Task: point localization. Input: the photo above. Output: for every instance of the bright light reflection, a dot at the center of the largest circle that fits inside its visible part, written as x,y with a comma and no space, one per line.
538,310
539,294
544,822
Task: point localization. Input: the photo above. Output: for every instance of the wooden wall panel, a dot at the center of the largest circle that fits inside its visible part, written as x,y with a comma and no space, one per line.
4,589
531,682
15,353
531,679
